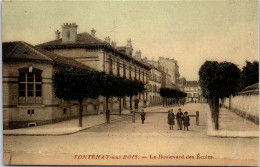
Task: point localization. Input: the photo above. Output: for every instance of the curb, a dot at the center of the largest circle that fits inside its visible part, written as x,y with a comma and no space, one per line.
69,133
210,131
63,134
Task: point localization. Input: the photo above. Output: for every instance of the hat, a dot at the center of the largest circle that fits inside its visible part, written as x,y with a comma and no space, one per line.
186,112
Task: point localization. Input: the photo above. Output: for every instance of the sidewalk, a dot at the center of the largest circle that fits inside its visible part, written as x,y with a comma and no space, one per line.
231,125
71,126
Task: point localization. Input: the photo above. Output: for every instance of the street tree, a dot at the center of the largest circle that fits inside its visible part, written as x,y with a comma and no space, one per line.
218,80
108,90
133,87
250,74
76,84
171,93
120,86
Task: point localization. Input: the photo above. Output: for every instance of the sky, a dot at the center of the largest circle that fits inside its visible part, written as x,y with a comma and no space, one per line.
190,32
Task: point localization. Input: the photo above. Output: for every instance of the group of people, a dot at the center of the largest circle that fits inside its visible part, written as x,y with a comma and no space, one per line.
181,119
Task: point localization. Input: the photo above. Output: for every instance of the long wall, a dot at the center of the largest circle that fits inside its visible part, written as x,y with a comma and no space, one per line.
246,105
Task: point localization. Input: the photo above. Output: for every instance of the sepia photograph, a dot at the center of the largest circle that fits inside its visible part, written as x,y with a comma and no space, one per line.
130,83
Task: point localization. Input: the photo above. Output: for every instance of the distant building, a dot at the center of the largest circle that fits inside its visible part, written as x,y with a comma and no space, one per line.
170,66
181,83
154,84
193,90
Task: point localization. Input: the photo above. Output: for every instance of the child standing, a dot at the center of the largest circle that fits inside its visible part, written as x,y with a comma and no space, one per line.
142,116
186,120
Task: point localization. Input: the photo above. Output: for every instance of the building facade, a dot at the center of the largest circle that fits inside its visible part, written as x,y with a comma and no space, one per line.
102,56
154,84
194,93
28,97
170,66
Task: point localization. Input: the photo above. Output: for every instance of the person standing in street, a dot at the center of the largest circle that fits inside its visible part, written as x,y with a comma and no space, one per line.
142,116
171,119
186,121
179,118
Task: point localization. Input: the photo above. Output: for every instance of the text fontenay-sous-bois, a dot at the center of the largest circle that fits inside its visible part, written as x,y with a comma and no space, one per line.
159,156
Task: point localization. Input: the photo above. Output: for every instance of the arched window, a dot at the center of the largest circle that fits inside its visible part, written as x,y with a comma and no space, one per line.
130,72
30,86
118,68
110,66
124,70
135,73
139,74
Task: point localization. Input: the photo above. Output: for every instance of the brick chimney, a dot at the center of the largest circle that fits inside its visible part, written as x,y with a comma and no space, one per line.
69,33
57,34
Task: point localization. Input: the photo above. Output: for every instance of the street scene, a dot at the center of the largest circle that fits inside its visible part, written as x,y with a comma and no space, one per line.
142,140
171,83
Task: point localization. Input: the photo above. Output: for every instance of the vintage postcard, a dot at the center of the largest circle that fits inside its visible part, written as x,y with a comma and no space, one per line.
146,83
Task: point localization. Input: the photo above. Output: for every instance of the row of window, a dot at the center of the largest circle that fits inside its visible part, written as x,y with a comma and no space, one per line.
30,87
191,88
153,88
124,71
155,99
155,78
193,94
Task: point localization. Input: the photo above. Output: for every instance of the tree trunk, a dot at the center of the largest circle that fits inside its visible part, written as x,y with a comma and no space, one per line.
216,113
213,108
120,109
107,103
107,111
131,104
163,101
80,113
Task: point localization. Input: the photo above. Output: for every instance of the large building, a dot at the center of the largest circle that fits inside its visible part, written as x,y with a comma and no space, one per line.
102,56
28,97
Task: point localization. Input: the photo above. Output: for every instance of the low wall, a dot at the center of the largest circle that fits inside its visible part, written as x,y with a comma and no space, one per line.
244,105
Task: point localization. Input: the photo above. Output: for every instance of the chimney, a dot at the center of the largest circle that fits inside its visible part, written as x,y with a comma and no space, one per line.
129,48
113,43
69,32
107,39
93,32
138,55
57,34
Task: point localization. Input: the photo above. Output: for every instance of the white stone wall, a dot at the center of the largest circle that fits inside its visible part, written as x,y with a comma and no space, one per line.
249,104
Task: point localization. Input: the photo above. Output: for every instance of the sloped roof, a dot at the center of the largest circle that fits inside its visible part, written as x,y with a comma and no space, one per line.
252,89
22,51
82,39
87,40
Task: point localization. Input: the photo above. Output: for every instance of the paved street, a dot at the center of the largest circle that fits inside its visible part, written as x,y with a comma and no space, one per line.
142,143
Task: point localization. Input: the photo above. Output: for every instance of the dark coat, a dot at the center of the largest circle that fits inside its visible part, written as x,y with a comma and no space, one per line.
186,121
179,116
171,118
142,115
